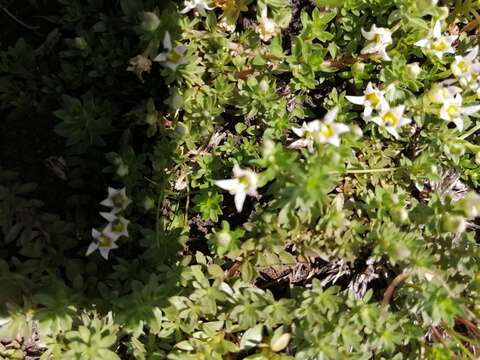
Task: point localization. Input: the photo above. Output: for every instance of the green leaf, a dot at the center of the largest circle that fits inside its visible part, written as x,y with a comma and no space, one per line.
251,338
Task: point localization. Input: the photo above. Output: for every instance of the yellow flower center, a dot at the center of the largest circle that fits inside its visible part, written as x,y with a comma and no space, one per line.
118,200
453,111
174,57
390,119
117,226
377,38
244,180
327,131
462,65
439,45
373,99
104,241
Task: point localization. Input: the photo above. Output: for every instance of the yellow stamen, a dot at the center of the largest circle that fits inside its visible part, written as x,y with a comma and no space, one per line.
174,57
104,241
453,111
390,119
244,180
462,65
117,226
439,45
373,99
118,200
327,131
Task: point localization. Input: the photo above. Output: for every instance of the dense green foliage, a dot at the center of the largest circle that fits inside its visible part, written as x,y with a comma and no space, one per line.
352,237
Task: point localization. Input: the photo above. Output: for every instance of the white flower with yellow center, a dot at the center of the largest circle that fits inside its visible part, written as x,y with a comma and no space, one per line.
266,28
452,110
379,38
173,57
439,93
437,44
392,119
464,68
372,99
199,5
244,183
117,226
324,132
102,242
307,135
117,200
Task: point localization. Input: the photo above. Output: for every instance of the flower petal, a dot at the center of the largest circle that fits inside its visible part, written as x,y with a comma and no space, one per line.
471,109
458,123
104,252
331,115
437,29
91,248
392,131
423,43
357,100
167,41
239,200
160,57
231,185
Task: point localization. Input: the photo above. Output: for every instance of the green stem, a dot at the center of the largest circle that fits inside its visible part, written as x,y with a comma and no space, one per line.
470,132
366,171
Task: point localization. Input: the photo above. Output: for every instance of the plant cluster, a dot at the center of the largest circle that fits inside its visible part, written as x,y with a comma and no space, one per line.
299,177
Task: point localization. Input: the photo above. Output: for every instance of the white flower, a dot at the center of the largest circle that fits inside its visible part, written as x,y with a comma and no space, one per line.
392,119
102,242
199,5
267,28
372,99
117,199
379,39
117,226
306,134
464,68
413,70
244,183
439,93
174,56
323,132
437,44
452,110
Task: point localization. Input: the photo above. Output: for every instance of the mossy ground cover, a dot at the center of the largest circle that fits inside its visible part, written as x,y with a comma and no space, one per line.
239,179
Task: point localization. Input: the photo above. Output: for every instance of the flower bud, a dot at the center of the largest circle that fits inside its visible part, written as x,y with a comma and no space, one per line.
151,119
80,43
150,21
471,205
263,85
425,5
122,170
453,223
412,71
182,129
358,68
148,203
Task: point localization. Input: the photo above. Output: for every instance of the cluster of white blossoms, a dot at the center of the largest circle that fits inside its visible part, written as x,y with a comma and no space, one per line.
465,69
173,57
390,118
117,226
325,131
244,183
437,44
378,40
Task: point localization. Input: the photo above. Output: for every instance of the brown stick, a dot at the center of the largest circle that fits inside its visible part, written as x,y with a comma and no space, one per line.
387,297
232,270
470,325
